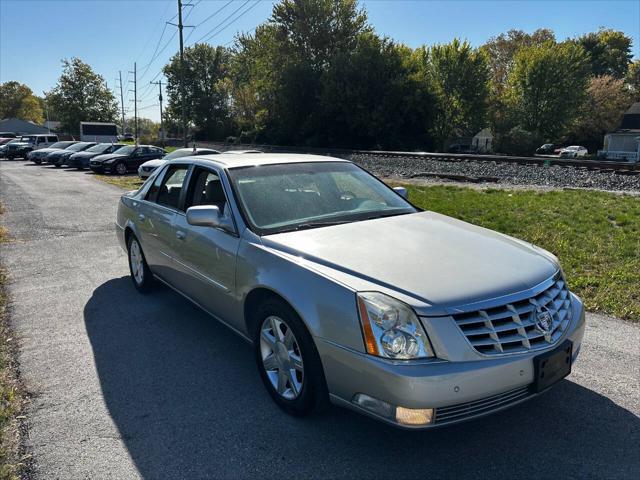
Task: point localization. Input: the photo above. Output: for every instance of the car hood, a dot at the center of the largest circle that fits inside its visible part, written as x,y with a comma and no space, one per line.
85,155
426,259
107,156
44,151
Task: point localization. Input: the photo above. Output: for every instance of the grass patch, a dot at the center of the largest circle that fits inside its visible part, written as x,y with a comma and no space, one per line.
126,182
10,396
595,235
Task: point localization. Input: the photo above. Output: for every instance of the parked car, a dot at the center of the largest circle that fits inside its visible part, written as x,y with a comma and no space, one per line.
573,151
29,143
5,140
82,159
125,159
4,148
546,149
128,137
37,156
348,293
59,157
147,168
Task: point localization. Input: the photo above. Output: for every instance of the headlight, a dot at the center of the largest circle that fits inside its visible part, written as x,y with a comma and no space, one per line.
391,329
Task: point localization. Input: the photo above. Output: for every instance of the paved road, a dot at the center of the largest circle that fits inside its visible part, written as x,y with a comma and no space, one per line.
129,386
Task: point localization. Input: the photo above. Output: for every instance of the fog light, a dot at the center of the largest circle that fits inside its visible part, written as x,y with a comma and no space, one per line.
410,416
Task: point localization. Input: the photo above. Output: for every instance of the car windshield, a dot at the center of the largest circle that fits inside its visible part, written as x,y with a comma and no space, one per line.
127,150
61,144
100,148
183,152
296,196
76,147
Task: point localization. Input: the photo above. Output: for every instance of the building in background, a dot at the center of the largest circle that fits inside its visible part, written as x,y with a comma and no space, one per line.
483,141
21,126
624,143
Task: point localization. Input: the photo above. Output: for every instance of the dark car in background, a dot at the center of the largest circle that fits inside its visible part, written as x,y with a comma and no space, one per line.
546,149
149,167
37,156
82,160
59,157
126,159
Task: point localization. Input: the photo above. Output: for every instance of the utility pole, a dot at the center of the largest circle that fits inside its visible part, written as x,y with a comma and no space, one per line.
135,103
46,106
121,100
184,113
159,83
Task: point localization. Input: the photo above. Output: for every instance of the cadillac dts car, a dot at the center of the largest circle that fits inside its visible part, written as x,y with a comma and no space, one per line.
348,293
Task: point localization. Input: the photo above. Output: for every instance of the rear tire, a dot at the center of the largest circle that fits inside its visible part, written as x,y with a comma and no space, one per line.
288,361
140,272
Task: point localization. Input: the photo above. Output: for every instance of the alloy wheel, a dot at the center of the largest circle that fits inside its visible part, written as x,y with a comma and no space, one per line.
281,357
137,263
121,169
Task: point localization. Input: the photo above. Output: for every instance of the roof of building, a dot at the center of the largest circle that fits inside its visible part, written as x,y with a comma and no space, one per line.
234,161
631,118
21,126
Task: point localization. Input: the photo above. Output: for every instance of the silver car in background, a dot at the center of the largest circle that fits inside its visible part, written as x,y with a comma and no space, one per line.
147,168
348,293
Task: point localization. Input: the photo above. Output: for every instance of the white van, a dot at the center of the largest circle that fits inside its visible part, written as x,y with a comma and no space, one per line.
37,141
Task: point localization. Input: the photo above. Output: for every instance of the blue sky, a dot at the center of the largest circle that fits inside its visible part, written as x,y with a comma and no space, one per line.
111,35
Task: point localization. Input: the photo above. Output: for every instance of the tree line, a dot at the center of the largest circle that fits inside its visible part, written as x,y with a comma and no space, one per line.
317,74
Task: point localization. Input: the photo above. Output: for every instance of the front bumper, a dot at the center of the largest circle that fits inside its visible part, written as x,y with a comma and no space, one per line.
491,383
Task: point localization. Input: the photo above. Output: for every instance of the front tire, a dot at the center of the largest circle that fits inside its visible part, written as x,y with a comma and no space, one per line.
288,361
140,272
120,168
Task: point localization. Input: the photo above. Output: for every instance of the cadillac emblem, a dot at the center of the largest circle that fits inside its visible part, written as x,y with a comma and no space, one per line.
544,320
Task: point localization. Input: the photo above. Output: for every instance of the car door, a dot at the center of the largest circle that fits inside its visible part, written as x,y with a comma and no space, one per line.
206,256
156,214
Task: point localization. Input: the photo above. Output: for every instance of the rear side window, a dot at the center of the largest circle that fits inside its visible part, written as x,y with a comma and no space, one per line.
52,139
166,190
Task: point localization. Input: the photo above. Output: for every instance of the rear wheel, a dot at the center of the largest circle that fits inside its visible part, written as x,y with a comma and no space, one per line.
140,273
120,168
288,361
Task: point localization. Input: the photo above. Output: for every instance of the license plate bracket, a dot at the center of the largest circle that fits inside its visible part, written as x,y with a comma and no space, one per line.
551,367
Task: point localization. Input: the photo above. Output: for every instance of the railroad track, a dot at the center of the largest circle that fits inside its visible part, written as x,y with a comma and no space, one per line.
622,168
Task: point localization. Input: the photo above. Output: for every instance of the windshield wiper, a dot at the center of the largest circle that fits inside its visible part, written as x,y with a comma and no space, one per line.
310,225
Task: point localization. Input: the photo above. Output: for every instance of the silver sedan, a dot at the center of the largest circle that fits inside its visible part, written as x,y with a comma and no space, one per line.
348,293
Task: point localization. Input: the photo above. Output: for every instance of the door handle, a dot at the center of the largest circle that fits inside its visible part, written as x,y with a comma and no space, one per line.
180,235
141,217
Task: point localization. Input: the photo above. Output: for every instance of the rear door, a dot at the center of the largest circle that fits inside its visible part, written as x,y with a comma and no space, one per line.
156,214
206,256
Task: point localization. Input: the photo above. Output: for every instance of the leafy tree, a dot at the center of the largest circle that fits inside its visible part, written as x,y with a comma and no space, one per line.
501,50
548,85
633,80
81,95
607,100
459,77
609,52
286,59
375,96
17,101
206,99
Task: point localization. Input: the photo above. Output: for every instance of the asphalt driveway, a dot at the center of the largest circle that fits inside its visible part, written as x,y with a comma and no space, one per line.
130,386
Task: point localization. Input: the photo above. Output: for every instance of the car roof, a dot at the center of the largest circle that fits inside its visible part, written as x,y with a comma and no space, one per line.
236,161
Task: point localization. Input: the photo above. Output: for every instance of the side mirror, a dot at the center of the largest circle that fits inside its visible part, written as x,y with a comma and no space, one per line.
205,216
401,191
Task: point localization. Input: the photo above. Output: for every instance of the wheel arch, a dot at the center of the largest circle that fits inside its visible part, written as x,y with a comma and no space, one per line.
256,297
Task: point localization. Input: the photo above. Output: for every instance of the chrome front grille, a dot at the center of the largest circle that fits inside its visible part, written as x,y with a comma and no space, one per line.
462,411
519,326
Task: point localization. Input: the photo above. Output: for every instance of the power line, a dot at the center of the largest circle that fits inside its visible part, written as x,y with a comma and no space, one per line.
226,18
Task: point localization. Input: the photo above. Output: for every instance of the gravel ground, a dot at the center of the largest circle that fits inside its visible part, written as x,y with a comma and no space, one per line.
506,174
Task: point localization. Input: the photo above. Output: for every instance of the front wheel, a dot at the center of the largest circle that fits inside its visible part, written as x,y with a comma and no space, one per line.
288,361
140,273
121,168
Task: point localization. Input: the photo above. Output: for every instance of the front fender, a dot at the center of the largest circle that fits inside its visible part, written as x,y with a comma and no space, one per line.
327,307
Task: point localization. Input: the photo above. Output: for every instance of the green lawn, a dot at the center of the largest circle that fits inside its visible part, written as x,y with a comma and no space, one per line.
595,235
127,182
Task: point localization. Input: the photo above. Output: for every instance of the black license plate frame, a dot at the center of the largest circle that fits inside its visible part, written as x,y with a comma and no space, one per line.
551,367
